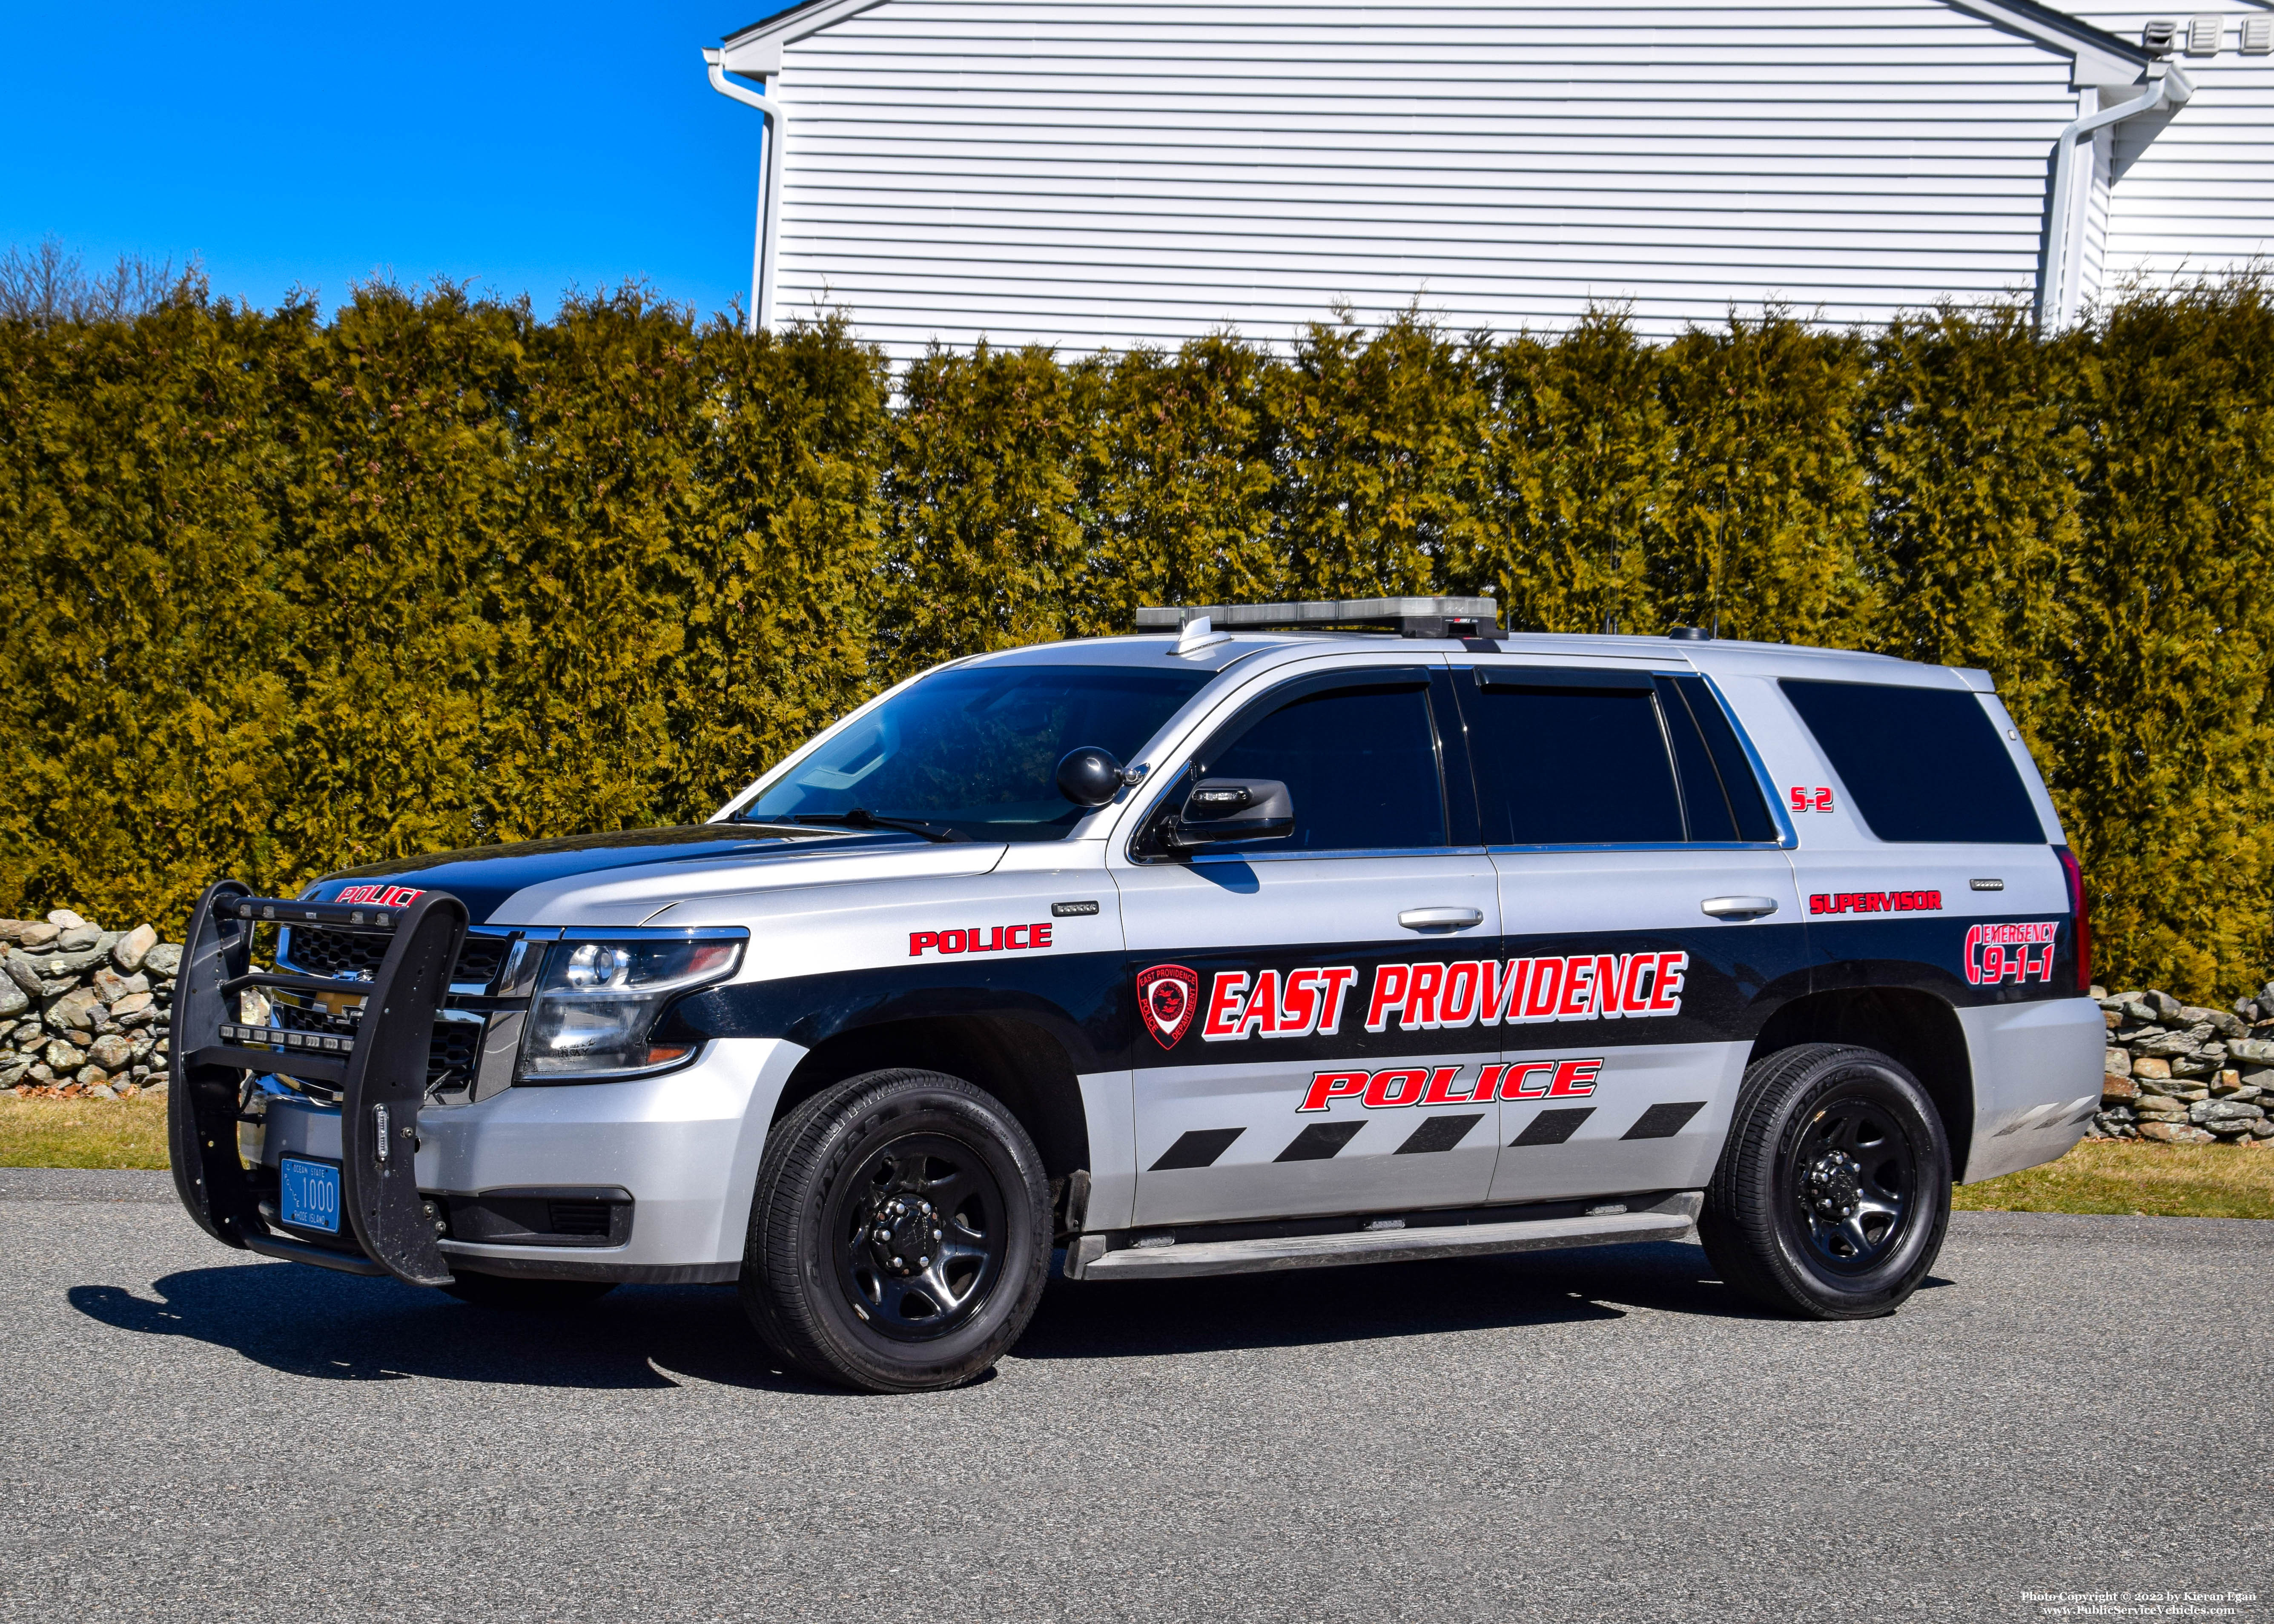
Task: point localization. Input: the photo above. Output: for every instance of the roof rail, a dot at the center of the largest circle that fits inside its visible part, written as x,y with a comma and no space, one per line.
1408,617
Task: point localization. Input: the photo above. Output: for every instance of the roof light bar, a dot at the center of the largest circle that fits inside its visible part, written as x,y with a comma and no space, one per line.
1407,617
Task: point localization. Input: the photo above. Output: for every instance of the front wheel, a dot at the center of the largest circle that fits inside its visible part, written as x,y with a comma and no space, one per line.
901,1235
1833,1193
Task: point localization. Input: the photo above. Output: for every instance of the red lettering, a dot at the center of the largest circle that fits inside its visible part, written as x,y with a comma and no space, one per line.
1633,997
1504,990
1574,1078
1440,1089
1224,1005
1458,1005
1301,1013
1338,981
1011,937
1039,936
1326,1085
1260,1014
1546,983
1421,996
950,941
918,940
1389,981
1579,989
1411,1083
1666,996
1606,986
1518,1085
1487,1084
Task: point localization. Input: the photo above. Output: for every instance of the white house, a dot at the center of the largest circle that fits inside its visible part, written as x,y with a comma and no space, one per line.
1101,174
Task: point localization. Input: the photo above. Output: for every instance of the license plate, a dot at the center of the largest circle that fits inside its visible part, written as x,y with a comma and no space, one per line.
310,1194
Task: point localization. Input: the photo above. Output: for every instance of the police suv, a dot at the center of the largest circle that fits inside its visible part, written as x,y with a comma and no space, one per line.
1273,936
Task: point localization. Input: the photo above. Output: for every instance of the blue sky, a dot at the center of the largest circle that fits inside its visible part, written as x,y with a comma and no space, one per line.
532,147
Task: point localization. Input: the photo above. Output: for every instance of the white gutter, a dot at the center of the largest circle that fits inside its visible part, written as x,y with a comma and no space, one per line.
763,251
2057,286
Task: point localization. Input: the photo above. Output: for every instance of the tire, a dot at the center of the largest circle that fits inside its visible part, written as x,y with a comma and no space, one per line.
518,1294
1833,1193
854,1181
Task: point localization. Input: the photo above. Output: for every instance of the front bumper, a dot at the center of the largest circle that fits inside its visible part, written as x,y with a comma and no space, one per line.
684,1147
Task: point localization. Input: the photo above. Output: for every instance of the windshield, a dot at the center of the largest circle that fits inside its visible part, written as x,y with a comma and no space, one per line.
977,751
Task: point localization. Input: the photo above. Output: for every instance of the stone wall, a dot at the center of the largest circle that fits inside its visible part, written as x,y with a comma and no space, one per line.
2184,1074
84,1012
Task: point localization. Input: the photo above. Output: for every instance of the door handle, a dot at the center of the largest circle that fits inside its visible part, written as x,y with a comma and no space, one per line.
1445,919
1739,907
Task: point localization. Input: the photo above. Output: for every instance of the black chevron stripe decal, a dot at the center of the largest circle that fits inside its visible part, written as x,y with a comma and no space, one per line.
1552,1127
1199,1148
1663,1122
1439,1133
1319,1141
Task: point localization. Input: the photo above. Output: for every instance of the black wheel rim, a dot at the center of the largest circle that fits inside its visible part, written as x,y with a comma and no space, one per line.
920,1233
1855,1176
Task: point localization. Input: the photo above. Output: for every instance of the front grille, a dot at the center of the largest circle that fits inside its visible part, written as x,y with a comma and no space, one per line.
315,950
452,1054
481,958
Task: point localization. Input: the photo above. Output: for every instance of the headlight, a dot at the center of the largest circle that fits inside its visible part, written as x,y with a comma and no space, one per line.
597,1002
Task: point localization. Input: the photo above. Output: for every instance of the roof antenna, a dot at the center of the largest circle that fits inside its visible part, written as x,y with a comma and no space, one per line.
1199,633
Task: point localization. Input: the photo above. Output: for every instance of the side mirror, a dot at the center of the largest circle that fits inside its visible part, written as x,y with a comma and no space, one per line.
1090,777
1220,811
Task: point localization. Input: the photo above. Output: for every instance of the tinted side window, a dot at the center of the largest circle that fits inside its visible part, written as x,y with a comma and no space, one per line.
1921,764
1359,764
1739,787
1572,766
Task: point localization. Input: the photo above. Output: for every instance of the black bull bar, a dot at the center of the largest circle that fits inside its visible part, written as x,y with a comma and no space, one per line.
378,1074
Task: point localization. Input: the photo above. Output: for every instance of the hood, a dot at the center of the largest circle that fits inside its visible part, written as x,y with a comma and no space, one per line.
622,878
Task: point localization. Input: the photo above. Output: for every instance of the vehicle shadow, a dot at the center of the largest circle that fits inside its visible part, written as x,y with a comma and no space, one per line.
326,1327
330,1326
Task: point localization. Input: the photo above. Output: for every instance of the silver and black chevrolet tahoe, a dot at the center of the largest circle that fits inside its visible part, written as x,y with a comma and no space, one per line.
1272,936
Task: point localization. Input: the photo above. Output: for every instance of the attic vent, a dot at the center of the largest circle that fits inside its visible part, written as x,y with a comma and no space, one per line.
2258,36
2203,35
2161,36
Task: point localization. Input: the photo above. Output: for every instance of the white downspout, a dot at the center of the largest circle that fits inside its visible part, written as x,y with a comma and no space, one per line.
763,251
2057,286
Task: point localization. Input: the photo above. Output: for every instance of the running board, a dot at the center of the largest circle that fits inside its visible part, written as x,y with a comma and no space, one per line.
1669,1220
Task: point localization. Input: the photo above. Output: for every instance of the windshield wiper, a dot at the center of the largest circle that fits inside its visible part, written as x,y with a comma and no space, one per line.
861,817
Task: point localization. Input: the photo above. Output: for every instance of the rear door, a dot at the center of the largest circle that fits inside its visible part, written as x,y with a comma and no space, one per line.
1269,1082
1652,919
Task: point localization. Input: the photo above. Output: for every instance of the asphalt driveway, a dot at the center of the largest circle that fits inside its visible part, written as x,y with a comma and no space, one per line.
2075,1405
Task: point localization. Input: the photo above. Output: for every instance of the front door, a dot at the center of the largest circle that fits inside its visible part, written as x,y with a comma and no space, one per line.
1309,1044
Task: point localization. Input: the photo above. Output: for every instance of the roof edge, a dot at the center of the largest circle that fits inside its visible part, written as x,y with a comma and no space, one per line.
2102,58
793,22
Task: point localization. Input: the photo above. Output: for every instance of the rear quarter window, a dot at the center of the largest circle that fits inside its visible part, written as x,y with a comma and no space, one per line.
1919,764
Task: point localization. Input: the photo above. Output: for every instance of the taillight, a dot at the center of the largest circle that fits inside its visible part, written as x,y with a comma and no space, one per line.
2080,907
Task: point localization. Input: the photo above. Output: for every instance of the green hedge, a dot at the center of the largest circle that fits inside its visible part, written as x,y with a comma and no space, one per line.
281,595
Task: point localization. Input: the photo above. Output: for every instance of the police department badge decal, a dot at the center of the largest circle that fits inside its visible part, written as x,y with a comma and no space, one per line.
1165,996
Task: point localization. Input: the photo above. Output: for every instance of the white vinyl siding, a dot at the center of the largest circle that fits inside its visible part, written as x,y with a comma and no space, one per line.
1101,176
2200,198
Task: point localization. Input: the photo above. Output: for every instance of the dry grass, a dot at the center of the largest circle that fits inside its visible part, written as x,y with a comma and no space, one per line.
83,1133
2128,1175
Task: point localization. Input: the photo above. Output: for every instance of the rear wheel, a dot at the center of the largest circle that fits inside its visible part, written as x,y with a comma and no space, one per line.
1833,1193
901,1235
521,1295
